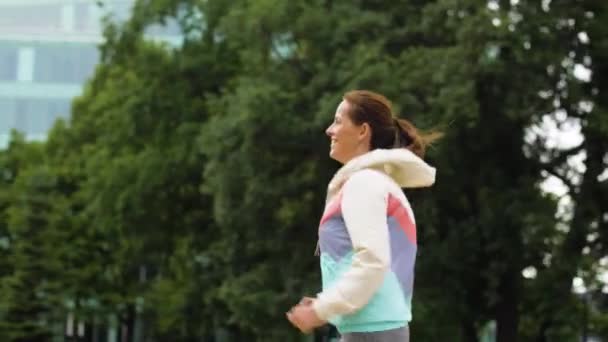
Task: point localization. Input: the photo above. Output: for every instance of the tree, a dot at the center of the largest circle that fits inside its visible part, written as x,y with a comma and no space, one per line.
184,193
28,290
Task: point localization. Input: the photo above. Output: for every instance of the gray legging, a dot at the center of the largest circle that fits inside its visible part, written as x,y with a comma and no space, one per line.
395,335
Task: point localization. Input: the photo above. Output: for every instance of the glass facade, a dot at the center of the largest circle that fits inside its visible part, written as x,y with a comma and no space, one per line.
48,49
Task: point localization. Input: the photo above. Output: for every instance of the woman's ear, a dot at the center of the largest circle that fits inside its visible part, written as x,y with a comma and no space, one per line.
365,132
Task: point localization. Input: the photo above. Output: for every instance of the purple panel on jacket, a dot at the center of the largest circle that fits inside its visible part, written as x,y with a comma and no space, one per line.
403,256
334,239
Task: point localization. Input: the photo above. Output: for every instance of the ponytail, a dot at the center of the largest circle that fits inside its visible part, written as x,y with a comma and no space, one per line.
408,136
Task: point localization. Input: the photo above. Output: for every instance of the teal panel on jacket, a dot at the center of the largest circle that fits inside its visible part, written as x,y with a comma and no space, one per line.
387,309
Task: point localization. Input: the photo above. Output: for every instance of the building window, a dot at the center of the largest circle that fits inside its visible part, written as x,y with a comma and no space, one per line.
65,63
7,115
21,116
23,18
8,66
31,116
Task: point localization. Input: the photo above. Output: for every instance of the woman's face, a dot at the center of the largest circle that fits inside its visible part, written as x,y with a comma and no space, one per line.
348,140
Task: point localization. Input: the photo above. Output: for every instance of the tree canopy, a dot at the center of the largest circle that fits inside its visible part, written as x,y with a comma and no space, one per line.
181,199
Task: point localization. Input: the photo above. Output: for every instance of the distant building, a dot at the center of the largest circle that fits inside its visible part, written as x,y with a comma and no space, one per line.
48,49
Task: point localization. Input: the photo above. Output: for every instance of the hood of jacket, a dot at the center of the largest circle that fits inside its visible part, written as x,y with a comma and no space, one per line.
404,167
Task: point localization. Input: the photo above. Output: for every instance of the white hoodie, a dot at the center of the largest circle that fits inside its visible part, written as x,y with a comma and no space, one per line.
359,197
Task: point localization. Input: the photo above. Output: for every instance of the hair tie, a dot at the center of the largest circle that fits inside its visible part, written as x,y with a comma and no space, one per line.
402,136
397,133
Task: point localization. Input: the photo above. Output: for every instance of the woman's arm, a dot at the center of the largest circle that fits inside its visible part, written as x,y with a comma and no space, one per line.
364,206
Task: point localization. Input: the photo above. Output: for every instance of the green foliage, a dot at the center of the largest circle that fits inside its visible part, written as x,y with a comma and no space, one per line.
186,188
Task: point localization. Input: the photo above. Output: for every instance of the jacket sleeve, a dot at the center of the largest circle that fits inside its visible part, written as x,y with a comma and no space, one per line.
364,205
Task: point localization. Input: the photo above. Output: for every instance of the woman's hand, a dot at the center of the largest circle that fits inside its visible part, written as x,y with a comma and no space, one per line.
304,317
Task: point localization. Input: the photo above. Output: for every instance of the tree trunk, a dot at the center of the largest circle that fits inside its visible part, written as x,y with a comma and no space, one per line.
507,315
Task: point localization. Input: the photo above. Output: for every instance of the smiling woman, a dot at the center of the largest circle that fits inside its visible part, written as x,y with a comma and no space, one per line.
372,115
367,235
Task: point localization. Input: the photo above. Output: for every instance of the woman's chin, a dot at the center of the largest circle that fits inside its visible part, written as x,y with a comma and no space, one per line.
334,156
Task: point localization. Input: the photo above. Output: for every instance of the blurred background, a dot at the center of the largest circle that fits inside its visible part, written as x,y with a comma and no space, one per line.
163,163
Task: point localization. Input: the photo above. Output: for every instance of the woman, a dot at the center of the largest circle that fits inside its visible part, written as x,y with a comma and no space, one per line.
367,235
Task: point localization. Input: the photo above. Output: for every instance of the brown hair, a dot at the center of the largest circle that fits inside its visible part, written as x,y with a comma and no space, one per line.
387,130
